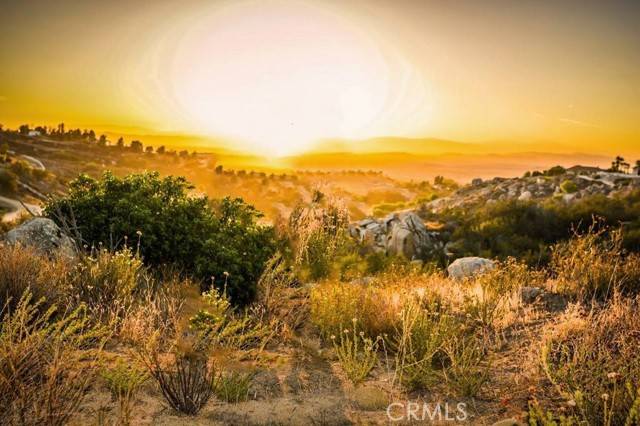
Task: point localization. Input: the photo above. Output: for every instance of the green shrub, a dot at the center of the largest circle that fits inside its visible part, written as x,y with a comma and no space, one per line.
233,387
526,230
8,182
203,238
555,171
568,187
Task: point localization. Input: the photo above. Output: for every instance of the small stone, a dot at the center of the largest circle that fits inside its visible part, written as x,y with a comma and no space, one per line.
530,294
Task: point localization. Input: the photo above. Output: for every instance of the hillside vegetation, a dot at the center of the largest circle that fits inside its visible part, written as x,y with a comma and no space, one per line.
174,300
143,298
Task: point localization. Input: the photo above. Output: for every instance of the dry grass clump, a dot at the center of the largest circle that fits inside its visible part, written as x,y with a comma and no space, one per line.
490,296
434,327
593,361
107,281
593,266
280,301
45,369
333,305
22,268
316,231
219,325
356,352
154,311
419,343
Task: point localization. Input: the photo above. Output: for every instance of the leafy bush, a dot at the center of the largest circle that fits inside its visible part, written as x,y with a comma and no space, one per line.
555,171
526,229
201,237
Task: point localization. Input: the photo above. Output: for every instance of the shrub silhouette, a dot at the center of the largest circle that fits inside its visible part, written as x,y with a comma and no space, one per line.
202,237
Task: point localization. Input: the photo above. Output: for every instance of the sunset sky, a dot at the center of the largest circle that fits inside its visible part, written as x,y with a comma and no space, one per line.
275,76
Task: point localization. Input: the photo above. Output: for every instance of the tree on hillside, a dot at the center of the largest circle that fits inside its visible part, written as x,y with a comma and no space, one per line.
136,146
625,167
120,143
4,149
102,142
149,149
24,129
617,164
61,129
161,149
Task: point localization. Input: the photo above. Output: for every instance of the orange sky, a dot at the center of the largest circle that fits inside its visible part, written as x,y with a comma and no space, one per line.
275,76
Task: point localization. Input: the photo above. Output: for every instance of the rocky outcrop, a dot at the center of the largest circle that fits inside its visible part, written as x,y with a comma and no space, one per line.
401,234
43,235
574,184
466,267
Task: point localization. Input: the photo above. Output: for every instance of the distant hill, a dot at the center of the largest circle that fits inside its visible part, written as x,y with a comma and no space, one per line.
434,146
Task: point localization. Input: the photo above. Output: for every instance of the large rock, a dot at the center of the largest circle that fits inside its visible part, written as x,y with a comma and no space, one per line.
468,267
44,235
407,236
399,234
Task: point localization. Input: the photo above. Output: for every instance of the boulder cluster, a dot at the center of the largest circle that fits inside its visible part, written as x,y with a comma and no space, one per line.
404,233
401,233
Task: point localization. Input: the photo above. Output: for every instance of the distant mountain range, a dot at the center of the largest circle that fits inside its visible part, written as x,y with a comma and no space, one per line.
433,146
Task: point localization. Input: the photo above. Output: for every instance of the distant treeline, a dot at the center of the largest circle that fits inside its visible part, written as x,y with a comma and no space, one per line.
89,136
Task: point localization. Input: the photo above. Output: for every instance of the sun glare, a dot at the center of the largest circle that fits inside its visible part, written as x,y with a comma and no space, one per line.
279,78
